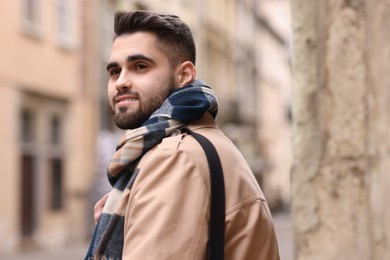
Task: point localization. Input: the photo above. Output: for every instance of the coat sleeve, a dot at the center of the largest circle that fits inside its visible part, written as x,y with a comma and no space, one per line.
167,215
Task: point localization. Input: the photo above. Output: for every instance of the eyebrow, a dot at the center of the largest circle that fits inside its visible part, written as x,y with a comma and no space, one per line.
130,58
112,65
135,57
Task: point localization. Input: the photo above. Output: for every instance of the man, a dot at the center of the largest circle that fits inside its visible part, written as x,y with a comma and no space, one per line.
159,206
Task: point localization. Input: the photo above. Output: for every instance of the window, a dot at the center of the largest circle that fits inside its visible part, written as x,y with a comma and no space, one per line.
27,129
55,127
62,17
42,133
31,17
64,22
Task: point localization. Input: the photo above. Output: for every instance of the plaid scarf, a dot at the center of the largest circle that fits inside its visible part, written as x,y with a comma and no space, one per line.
183,106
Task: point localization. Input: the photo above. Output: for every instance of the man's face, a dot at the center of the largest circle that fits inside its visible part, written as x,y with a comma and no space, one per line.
141,78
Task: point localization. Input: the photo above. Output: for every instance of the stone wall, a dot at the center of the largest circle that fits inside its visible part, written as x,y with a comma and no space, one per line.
341,128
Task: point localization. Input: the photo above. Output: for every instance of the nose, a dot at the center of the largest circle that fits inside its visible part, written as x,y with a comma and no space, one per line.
123,82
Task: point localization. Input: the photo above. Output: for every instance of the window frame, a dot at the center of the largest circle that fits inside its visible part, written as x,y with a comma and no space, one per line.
64,16
31,17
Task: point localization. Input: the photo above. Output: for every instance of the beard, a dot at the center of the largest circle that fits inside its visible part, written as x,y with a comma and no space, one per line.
127,119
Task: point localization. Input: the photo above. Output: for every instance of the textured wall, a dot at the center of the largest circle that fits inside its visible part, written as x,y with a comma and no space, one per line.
341,84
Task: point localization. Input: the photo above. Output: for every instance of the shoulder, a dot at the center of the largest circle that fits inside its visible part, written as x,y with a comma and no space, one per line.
177,160
181,156
240,183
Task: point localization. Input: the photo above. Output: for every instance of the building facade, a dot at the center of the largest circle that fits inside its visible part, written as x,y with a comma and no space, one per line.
48,123
53,90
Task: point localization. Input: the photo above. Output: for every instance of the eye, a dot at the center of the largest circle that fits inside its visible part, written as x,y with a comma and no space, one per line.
140,66
114,72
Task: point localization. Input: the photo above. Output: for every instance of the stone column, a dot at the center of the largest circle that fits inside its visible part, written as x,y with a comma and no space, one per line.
341,129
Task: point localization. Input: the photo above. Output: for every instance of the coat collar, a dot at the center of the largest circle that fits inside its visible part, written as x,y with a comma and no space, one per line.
207,121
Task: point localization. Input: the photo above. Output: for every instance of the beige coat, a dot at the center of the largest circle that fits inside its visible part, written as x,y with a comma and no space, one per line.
168,210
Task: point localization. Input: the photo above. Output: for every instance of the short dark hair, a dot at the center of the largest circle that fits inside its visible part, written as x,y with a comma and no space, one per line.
174,36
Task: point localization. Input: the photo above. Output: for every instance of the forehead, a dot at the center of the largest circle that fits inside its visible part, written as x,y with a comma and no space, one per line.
137,43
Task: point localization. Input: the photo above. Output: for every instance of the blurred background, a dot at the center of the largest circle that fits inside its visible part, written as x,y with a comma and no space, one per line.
56,130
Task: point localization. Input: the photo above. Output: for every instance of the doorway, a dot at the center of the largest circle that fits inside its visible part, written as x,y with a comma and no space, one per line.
28,220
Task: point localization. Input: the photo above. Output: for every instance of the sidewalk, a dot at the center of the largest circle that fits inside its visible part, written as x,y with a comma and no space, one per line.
283,225
73,252
284,229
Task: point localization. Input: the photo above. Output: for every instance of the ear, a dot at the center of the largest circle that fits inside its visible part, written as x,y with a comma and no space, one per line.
186,73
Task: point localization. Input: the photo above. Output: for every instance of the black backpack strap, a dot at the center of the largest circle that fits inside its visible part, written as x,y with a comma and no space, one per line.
216,241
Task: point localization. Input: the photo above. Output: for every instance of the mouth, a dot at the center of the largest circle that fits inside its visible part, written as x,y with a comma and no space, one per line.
125,100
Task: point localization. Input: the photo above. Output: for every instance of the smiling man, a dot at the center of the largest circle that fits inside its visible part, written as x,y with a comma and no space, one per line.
159,206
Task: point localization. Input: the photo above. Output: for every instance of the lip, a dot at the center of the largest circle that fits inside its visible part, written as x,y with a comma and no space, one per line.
125,100
125,97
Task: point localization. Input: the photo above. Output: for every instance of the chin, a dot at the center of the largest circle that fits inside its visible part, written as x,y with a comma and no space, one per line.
128,121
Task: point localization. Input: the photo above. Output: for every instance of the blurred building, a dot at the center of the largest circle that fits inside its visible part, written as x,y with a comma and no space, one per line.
49,121
53,91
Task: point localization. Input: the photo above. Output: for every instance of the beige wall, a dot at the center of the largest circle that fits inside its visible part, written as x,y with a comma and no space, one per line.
30,61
